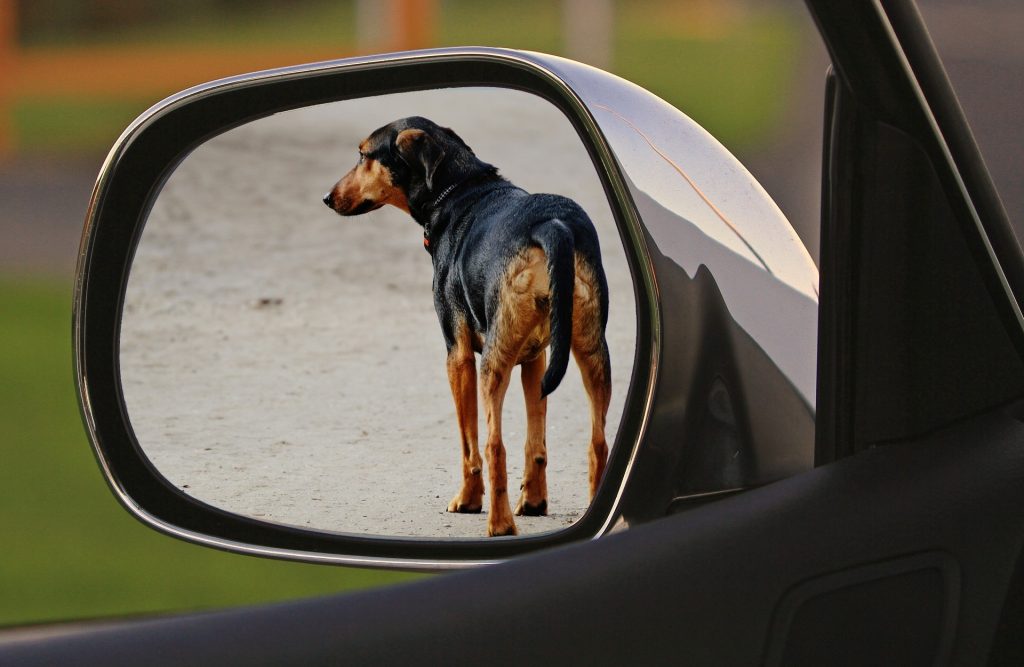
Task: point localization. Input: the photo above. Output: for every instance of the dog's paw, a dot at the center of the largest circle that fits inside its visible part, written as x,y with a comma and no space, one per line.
528,509
501,529
458,506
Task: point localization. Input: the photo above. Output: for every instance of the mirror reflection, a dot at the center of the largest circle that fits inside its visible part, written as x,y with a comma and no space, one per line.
356,373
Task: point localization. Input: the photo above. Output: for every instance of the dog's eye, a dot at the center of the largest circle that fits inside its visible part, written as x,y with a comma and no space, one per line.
361,157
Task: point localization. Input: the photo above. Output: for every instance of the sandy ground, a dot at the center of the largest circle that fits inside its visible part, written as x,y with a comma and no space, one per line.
284,363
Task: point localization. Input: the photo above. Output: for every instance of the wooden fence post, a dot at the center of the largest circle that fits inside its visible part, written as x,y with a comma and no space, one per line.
588,28
412,23
8,63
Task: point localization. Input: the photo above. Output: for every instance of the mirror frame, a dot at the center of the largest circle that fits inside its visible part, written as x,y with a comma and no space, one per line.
133,175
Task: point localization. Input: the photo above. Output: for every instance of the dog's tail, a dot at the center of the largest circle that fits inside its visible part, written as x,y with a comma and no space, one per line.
556,240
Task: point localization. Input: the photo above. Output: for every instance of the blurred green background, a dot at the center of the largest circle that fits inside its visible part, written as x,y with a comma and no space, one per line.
720,61
68,550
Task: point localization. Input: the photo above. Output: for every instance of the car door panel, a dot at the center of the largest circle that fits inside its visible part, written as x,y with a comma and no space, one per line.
704,587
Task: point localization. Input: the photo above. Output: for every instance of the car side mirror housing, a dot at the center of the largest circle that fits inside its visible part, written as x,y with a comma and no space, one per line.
236,401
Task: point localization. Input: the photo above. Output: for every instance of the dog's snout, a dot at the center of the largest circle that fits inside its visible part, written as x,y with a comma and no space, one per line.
327,198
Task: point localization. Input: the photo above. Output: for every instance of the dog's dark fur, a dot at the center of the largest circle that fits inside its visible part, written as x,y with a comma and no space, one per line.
512,272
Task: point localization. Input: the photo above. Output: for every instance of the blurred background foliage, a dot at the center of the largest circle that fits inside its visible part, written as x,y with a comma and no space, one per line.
720,61
73,74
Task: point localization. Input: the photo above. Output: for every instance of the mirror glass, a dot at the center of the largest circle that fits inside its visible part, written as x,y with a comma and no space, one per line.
282,362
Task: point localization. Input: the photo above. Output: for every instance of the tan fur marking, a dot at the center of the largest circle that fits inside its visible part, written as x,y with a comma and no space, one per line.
526,329
586,310
406,137
367,181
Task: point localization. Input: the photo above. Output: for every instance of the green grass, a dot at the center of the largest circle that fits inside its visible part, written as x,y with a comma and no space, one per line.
313,22
732,77
734,82
730,74
532,25
53,125
69,550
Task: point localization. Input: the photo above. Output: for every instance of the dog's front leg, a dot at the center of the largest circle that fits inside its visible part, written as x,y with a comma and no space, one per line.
462,377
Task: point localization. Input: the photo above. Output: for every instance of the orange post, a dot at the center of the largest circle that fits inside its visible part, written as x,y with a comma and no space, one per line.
412,24
8,64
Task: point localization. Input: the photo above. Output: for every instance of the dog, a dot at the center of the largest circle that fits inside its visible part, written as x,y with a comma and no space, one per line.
513,273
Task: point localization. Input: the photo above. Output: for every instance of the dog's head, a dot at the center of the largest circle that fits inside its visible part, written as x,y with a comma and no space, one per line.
406,164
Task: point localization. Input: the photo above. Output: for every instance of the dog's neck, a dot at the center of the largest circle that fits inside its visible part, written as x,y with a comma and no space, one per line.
429,209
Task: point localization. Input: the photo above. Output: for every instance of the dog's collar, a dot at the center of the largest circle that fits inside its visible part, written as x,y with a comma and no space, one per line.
447,191
427,228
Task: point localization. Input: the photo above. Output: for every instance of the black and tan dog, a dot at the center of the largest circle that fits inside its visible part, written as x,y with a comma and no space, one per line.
513,272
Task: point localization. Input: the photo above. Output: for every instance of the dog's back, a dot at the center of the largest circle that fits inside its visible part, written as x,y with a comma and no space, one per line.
505,223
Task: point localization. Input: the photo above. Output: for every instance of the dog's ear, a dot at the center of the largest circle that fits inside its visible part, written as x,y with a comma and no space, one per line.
451,133
417,147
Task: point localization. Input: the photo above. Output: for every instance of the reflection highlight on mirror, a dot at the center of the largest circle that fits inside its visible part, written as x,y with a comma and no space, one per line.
289,365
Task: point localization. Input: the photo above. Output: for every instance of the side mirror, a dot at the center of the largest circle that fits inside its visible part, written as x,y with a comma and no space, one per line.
259,375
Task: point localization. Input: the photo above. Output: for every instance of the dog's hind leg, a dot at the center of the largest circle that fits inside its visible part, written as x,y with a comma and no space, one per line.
591,352
522,307
533,501
597,382
495,368
462,377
